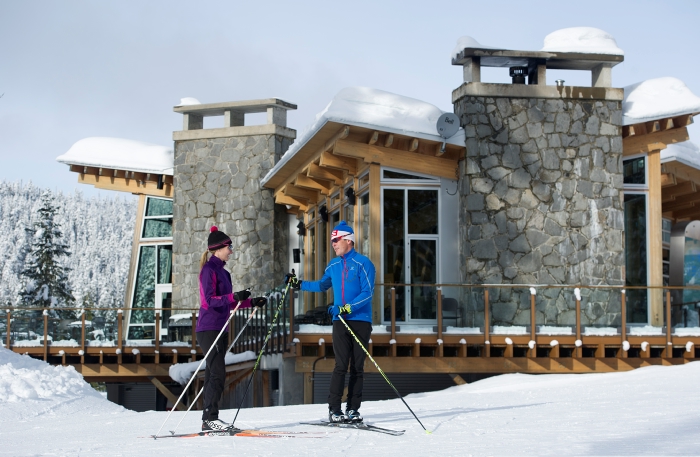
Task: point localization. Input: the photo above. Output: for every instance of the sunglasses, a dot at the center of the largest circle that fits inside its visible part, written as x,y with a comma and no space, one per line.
335,240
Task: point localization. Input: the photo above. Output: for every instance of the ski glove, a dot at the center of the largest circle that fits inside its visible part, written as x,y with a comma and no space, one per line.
345,309
293,281
242,295
259,302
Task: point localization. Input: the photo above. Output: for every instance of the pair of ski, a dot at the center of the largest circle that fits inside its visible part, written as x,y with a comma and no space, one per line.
278,434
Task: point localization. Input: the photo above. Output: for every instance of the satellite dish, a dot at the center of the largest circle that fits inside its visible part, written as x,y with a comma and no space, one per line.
447,126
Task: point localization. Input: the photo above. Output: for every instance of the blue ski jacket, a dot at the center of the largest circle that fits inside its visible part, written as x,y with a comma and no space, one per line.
352,278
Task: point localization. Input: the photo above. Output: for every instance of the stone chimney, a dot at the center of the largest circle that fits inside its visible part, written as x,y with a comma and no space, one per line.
217,182
541,186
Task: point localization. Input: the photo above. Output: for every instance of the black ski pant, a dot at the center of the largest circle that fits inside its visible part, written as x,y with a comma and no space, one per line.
215,374
348,353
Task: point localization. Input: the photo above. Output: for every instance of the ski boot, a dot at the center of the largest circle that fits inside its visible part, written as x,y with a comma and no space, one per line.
336,417
353,416
216,425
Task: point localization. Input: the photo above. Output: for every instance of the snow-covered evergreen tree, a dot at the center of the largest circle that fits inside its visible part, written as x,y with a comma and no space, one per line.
44,275
98,231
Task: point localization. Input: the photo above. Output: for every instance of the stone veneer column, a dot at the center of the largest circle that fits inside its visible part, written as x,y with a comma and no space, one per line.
541,200
217,182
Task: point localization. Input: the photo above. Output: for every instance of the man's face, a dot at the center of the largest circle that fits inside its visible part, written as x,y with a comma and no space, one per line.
341,246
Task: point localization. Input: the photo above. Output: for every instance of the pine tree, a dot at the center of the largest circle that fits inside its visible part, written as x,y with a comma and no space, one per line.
45,280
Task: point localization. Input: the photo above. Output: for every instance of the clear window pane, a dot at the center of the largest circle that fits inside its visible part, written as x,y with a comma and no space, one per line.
364,224
158,207
636,256
394,251
165,264
423,271
634,171
144,293
157,228
423,211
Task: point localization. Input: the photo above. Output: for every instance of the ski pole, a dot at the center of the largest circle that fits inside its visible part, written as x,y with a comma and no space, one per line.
198,368
380,370
172,432
267,338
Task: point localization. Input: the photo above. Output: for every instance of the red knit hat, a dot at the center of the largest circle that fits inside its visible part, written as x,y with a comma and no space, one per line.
217,239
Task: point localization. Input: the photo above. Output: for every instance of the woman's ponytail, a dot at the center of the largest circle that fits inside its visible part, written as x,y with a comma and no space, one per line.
203,259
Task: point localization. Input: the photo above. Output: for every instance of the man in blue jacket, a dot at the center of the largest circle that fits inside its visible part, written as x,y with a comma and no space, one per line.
351,275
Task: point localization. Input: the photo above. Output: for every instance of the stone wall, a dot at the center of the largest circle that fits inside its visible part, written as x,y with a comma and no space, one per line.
541,203
217,182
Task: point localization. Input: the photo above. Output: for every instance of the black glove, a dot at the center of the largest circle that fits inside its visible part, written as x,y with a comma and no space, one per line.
242,295
292,280
259,302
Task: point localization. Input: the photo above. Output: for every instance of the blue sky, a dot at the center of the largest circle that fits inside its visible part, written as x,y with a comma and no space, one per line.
74,69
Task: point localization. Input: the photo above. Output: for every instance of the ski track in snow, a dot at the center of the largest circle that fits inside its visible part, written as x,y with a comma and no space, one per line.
650,411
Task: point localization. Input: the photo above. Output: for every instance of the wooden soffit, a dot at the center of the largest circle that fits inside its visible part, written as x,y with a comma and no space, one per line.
156,185
680,199
645,137
337,151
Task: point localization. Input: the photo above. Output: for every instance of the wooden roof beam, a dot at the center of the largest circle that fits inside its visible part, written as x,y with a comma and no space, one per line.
389,140
338,162
329,174
689,213
653,141
678,205
297,192
282,199
668,179
678,190
373,138
321,185
436,166
414,145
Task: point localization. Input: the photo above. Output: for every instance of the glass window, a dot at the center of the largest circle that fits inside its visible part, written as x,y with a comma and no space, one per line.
423,211
634,171
636,256
394,251
158,218
390,174
144,296
165,264
349,212
364,225
364,180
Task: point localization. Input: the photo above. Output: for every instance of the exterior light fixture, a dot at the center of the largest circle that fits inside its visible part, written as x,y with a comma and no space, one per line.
350,193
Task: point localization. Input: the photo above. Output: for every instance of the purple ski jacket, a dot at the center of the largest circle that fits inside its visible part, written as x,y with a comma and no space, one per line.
215,296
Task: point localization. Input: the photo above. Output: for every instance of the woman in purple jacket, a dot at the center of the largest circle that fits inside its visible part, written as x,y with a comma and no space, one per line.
217,299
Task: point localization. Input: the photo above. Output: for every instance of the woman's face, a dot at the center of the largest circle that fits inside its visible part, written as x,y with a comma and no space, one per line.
224,253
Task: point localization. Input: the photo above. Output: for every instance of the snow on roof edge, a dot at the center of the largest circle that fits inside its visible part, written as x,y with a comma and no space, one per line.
373,109
120,153
658,98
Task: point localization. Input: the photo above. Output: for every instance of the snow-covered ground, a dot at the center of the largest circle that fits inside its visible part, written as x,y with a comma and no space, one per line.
50,411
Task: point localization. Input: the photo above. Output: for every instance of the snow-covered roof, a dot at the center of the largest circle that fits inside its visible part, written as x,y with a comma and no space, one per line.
658,98
374,109
468,42
120,154
587,40
687,153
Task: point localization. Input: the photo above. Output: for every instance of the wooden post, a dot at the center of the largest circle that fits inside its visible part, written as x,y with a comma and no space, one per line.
668,351
463,350
416,348
8,336
46,335
579,349
393,321
194,331
321,349
623,319
487,325
439,322
82,337
157,336
266,388
101,357
291,318
308,389
554,351
120,336
533,325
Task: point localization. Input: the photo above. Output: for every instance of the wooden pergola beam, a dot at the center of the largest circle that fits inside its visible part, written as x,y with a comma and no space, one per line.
668,179
127,185
419,163
282,199
653,141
